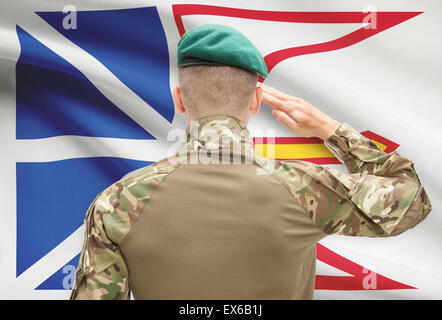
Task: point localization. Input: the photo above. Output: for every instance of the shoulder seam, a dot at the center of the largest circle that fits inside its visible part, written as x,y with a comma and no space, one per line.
153,194
284,183
281,181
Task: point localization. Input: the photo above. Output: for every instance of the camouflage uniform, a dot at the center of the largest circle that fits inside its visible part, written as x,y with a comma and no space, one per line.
239,231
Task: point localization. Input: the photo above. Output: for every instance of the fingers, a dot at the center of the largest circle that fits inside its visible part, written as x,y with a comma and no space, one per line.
285,119
275,102
276,93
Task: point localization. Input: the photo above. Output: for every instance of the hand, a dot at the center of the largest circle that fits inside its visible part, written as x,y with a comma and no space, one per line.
298,115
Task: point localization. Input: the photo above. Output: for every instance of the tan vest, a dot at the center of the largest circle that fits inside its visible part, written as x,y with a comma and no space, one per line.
221,232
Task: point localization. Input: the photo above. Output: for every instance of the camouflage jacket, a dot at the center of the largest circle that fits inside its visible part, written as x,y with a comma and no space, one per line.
381,196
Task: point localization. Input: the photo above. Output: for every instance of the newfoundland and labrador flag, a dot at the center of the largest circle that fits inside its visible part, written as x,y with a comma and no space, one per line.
85,97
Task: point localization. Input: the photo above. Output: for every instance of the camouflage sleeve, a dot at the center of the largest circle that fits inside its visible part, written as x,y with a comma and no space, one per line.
101,272
381,196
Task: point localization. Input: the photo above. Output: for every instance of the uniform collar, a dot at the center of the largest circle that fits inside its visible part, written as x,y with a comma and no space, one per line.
218,133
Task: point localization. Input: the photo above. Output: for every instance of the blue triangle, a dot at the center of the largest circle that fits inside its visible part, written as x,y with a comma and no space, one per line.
53,197
63,279
54,98
131,43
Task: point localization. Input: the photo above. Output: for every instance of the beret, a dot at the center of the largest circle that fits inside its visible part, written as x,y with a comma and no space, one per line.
215,44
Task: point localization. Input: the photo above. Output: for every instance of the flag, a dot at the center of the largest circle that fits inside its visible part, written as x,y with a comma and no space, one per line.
86,98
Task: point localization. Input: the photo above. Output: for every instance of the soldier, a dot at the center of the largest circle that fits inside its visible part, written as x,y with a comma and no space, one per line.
207,224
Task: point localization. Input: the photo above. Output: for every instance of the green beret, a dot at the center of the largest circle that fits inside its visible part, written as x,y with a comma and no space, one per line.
214,44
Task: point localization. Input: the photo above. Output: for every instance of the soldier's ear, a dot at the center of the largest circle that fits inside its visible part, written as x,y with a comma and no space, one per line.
255,104
177,101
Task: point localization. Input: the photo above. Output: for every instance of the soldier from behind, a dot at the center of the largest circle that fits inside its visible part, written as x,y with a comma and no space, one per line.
216,221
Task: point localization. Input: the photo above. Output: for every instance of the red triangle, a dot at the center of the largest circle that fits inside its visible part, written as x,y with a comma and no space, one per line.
355,282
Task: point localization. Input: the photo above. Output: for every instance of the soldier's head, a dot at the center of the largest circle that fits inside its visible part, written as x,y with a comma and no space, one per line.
208,90
218,74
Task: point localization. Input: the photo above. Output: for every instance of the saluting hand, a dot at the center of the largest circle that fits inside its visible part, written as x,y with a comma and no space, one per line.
298,115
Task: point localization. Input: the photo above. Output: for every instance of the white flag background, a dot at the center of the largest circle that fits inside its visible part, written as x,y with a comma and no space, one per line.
85,98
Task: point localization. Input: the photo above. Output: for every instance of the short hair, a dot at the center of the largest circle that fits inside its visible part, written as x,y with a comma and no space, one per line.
208,90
